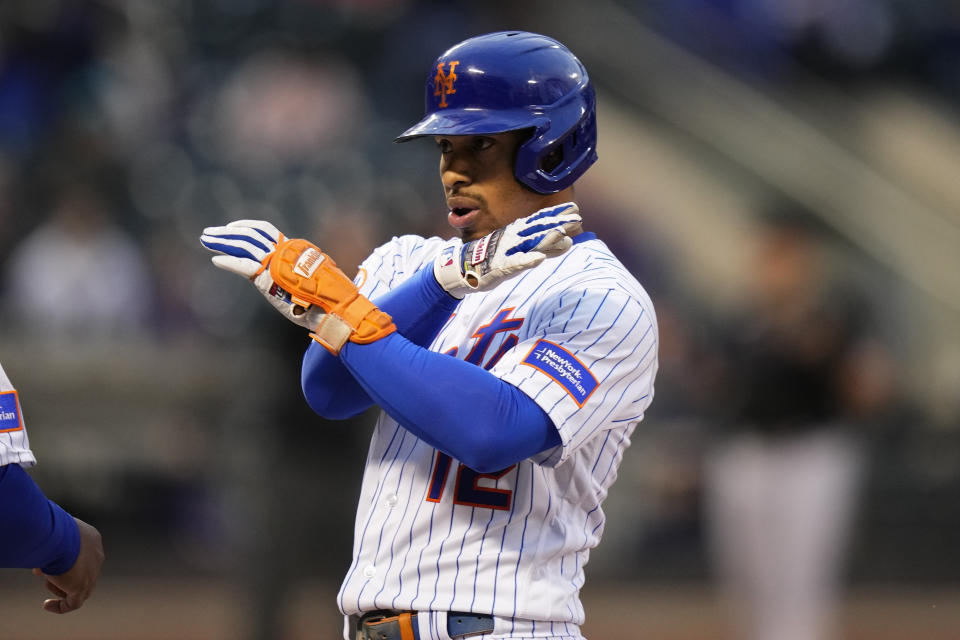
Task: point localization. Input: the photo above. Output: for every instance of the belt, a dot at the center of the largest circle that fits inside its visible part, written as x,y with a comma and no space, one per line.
395,625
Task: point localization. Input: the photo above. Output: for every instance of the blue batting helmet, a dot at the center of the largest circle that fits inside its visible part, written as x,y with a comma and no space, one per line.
512,80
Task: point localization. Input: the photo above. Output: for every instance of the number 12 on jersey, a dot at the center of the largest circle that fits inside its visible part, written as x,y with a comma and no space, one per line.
466,489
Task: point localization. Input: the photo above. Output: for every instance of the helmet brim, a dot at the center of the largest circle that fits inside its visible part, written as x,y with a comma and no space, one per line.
472,121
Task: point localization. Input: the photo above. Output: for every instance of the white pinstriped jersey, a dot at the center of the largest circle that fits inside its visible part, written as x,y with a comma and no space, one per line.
14,445
578,335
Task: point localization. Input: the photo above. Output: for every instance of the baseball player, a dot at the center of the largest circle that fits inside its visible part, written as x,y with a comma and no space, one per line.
34,531
511,362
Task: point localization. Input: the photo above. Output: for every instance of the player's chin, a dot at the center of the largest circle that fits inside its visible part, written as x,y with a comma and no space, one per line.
468,235
476,230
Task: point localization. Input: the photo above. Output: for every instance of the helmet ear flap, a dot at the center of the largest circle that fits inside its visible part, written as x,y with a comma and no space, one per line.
549,166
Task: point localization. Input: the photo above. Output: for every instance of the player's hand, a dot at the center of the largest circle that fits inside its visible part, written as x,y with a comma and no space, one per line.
75,586
245,247
314,281
480,265
300,281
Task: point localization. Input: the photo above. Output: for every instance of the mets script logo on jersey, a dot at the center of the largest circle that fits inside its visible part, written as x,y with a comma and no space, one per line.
443,82
563,366
10,412
484,337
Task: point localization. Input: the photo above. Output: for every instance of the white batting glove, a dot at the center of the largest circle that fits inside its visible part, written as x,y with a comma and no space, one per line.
480,265
245,248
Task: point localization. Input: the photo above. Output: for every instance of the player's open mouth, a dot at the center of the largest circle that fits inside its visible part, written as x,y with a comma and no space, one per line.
461,217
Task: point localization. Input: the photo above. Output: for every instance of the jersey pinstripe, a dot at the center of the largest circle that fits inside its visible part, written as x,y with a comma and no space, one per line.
14,444
578,335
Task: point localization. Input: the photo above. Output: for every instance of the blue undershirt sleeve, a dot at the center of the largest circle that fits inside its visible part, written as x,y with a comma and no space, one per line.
34,531
457,407
419,307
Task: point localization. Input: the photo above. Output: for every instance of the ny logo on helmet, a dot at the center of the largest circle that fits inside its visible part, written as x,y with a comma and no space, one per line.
443,82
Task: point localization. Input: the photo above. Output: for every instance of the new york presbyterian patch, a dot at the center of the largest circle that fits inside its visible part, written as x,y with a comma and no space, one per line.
563,366
10,412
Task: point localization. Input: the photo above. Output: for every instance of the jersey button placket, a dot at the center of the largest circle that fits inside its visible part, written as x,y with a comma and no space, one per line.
369,571
391,500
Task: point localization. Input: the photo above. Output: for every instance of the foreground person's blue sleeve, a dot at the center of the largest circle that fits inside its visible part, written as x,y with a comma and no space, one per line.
419,308
458,407
34,531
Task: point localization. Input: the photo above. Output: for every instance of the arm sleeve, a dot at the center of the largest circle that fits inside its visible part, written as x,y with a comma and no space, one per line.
455,406
35,531
419,307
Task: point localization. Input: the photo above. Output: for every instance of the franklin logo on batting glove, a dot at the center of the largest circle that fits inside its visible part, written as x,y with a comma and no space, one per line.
308,262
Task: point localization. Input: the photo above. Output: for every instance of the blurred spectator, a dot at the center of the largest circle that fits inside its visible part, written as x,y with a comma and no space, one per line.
78,274
278,110
802,373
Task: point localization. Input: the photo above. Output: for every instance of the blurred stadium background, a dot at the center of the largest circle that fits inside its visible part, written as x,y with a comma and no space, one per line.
162,397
